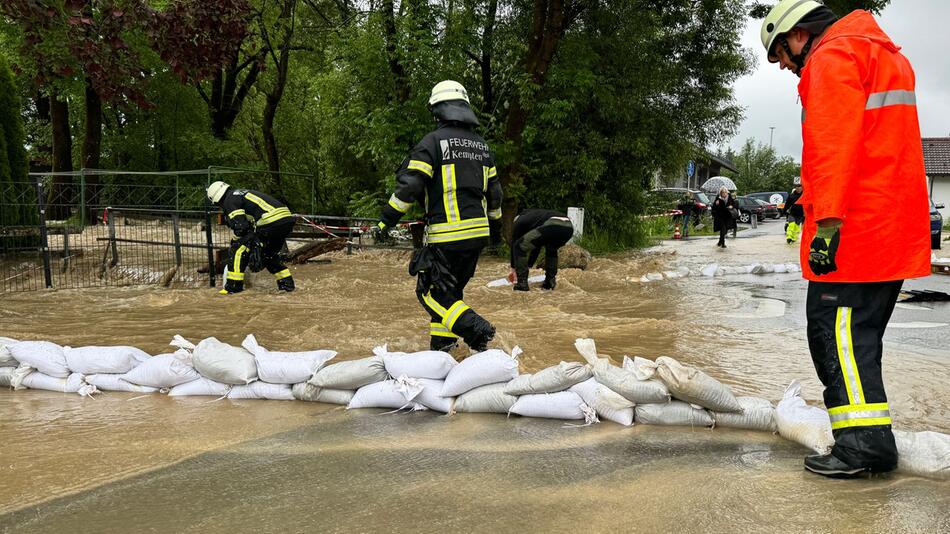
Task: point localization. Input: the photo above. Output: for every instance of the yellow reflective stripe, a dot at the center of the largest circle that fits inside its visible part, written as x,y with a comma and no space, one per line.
459,236
259,201
235,276
852,408
238,256
454,312
492,172
399,205
282,274
435,306
421,166
276,215
870,421
494,214
235,213
849,367
439,228
484,179
449,195
439,329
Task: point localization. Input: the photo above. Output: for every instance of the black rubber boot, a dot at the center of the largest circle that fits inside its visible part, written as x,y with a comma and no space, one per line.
286,284
550,281
484,333
522,283
231,287
830,466
443,343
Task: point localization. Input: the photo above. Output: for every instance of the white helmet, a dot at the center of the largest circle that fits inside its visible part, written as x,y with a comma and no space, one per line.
448,90
782,18
216,191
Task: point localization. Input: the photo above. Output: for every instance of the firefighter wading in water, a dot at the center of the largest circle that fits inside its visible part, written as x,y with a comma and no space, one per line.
861,239
261,224
452,172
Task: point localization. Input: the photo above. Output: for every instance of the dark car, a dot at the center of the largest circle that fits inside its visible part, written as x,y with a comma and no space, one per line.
749,206
936,224
777,198
668,197
769,211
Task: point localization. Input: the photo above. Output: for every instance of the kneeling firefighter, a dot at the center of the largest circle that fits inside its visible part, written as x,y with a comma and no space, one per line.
532,231
452,171
795,214
261,225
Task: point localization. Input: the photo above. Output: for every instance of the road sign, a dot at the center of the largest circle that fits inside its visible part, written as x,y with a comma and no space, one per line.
690,168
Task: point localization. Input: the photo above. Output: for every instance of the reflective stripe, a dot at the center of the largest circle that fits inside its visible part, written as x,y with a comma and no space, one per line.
859,415
492,172
435,306
259,201
439,329
421,166
282,274
484,179
399,205
238,255
235,213
235,276
276,215
455,311
494,214
778,23
440,228
449,195
459,236
849,368
891,98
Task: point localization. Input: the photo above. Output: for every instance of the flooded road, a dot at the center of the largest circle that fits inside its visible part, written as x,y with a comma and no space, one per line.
123,462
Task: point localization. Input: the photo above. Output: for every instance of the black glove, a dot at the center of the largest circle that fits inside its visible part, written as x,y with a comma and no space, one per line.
382,235
255,251
824,248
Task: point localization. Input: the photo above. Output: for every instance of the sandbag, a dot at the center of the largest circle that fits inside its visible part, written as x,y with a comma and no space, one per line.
163,371
485,399
201,387
433,364
696,387
219,361
262,390
431,396
560,405
620,380
305,391
47,358
392,394
114,382
488,367
551,380
103,360
7,359
757,414
804,424
673,413
925,454
6,376
38,380
286,367
352,374
606,402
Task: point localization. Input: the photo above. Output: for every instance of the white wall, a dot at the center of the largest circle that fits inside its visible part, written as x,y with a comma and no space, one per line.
941,194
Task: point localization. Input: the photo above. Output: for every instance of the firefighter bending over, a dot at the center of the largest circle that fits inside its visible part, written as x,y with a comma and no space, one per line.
532,231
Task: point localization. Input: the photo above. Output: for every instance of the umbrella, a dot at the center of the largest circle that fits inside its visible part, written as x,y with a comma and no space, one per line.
714,184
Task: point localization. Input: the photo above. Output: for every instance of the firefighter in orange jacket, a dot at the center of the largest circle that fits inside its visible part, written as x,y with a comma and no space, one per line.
860,242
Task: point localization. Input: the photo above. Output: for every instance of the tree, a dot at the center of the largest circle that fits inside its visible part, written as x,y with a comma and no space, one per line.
13,164
760,169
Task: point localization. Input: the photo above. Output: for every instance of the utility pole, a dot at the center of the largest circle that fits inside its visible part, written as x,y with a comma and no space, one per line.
771,131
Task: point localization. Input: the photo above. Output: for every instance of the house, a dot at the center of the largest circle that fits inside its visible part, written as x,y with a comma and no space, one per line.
937,168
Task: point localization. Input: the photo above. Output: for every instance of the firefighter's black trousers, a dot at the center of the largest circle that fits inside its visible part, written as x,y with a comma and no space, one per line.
451,317
846,325
552,235
272,238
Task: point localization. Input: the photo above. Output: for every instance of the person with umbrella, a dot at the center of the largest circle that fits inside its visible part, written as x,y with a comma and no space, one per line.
722,211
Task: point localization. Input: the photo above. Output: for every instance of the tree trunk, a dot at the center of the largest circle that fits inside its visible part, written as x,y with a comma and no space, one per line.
92,149
488,94
395,66
61,193
228,92
273,97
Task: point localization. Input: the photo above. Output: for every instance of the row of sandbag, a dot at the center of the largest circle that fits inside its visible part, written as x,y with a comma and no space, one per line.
714,269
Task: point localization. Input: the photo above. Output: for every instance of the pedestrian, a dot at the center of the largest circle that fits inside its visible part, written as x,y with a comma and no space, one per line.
722,214
861,141
452,172
533,230
794,213
734,224
685,206
261,224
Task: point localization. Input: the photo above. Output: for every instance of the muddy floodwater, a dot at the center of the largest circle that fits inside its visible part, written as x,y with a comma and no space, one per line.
133,463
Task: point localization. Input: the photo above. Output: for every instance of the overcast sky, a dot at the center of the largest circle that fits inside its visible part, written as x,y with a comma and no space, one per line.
770,96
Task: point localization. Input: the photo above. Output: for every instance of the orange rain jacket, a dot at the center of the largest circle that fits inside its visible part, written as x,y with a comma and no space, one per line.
862,160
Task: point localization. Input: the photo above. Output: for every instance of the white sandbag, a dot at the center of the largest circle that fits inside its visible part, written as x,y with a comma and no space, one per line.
7,359
606,402
113,382
757,414
201,387
352,374
38,380
163,371
673,413
620,380
305,391
501,282
804,424
262,390
392,394
434,364
103,360
551,380
780,268
485,399
285,367
223,363
488,367
6,377
560,405
925,454
694,386
642,368
792,268
653,277
47,358
709,270
431,396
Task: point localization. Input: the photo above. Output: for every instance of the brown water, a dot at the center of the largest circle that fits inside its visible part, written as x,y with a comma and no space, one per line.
124,462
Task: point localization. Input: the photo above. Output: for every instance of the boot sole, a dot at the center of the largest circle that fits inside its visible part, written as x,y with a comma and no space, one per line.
838,473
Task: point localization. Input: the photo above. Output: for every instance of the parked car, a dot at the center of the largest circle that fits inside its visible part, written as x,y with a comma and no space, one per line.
749,206
668,197
769,211
936,224
777,198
